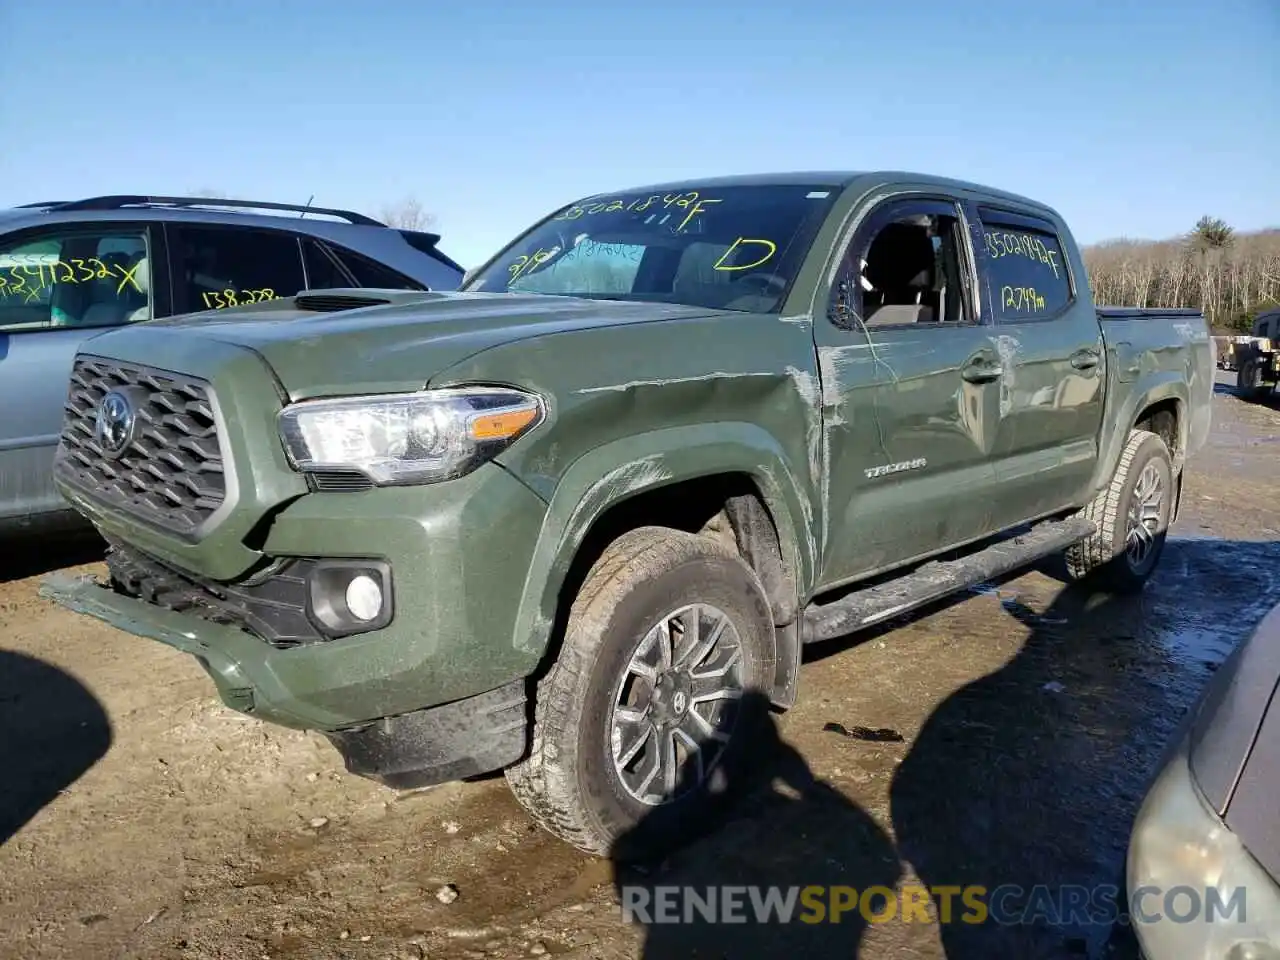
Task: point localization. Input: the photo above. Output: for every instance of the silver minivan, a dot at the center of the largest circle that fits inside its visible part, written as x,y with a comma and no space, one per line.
72,270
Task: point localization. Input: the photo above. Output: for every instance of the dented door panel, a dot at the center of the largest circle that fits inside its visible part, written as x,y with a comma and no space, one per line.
908,443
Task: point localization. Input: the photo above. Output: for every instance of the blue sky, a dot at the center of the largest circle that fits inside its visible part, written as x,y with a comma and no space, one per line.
1132,118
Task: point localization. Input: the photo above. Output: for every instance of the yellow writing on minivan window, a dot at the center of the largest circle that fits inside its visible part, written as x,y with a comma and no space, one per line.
220,299
1022,299
1003,244
762,256
30,280
664,207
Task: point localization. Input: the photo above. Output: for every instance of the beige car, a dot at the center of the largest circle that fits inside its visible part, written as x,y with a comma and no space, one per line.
1204,858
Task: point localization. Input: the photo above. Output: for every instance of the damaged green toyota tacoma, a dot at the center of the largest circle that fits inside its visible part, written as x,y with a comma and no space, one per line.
577,519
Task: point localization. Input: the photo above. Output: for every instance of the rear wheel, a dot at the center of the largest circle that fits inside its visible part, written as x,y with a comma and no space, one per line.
1132,514
1249,381
641,723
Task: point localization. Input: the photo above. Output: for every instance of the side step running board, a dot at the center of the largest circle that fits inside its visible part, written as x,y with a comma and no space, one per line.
938,578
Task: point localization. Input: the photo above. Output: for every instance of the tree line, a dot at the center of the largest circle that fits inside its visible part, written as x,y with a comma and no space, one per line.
1229,276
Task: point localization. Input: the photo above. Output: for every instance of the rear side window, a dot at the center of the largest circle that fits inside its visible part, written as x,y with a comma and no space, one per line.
217,267
1026,272
370,274
323,272
329,266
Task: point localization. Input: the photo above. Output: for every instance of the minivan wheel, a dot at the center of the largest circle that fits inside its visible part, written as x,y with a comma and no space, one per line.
1132,514
640,725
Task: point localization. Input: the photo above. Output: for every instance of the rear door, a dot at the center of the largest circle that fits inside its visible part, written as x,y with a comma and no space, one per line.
59,286
1050,347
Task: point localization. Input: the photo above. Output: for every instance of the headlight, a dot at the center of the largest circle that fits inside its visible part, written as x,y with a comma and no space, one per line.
1195,892
408,437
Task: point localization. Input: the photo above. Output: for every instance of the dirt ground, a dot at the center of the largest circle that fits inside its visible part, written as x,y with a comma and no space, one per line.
1004,737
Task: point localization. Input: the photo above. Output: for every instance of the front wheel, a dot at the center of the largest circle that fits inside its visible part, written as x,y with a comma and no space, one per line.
641,723
1132,514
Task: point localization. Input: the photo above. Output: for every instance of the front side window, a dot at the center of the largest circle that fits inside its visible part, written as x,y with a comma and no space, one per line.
735,248
74,277
217,267
913,268
1025,271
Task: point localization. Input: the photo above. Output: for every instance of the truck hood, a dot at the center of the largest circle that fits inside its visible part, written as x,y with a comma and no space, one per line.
400,346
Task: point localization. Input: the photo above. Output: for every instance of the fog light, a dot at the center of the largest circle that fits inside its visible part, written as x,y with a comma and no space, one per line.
364,597
346,597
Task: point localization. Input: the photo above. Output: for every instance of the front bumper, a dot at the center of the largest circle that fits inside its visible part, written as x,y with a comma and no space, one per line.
1194,891
459,554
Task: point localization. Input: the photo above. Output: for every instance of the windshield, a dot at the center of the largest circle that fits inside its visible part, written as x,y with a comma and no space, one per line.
735,248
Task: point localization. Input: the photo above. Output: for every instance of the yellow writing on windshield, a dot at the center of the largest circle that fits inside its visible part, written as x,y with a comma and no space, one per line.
587,249
689,204
1021,245
770,248
1022,299
525,263
31,280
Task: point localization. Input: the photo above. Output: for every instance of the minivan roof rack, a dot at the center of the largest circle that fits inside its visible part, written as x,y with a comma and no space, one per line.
115,202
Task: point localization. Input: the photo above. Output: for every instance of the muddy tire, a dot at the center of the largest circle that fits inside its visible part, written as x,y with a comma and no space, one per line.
613,697
1132,514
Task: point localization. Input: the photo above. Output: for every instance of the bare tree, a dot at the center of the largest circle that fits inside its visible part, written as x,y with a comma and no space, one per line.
1229,276
407,214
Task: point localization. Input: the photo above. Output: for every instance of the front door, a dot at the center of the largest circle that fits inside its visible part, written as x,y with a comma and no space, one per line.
58,287
910,391
1052,360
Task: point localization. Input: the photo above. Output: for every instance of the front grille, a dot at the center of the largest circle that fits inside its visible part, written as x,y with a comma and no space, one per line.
171,475
273,608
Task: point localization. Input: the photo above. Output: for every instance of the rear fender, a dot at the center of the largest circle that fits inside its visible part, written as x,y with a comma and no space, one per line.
1154,388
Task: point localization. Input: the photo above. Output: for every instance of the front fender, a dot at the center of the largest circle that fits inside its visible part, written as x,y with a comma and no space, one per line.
616,471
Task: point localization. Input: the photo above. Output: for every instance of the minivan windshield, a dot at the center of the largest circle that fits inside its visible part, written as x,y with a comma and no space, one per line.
734,248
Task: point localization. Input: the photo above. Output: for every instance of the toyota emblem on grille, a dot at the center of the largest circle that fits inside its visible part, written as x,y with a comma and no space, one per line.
114,427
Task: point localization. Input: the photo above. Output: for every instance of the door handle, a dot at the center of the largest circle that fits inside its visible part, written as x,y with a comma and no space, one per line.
981,370
1085,359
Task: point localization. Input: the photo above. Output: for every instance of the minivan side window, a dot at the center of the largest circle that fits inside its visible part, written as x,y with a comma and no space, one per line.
1025,270
370,274
323,270
217,267
74,277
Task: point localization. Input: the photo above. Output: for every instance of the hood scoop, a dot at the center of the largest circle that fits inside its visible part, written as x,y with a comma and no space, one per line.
337,300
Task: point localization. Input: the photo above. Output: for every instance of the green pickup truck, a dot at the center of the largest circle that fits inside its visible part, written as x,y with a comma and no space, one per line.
573,520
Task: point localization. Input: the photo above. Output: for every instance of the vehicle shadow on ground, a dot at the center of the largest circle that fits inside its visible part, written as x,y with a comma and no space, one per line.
1026,781
786,830
52,730
29,555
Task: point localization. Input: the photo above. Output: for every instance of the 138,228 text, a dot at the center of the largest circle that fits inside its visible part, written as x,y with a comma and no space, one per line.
219,299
